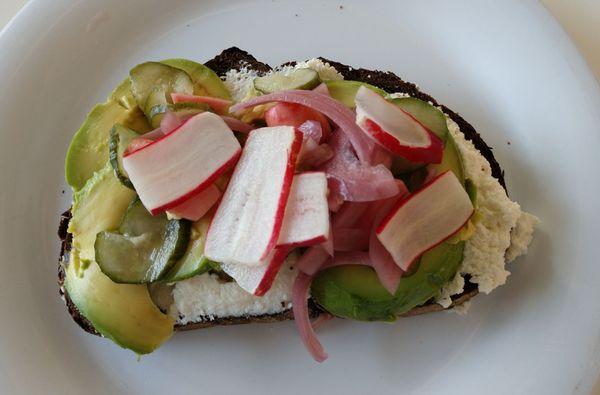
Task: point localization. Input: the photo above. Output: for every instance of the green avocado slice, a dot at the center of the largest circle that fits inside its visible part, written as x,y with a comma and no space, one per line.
88,151
355,291
123,313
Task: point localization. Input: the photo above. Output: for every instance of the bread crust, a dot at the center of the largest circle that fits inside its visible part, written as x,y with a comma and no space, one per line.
235,58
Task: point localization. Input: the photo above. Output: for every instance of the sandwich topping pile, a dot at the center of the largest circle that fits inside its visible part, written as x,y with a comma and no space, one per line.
232,193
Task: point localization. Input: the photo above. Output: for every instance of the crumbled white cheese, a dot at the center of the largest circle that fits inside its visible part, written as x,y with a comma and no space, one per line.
324,69
206,297
521,236
239,82
497,227
397,95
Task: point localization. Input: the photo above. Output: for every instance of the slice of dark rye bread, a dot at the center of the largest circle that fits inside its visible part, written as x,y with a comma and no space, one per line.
235,58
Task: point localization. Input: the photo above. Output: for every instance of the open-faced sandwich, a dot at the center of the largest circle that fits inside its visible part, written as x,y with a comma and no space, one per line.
230,192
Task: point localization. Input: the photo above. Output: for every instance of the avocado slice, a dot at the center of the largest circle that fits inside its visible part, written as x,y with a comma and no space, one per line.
98,206
123,313
206,82
193,261
88,151
355,291
122,95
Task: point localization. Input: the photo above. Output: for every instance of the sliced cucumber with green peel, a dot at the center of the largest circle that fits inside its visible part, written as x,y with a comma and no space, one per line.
297,79
355,291
345,90
185,110
431,117
206,81
120,138
143,248
152,84
193,262
451,160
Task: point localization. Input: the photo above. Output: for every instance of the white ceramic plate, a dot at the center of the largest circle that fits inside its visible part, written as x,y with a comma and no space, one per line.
506,66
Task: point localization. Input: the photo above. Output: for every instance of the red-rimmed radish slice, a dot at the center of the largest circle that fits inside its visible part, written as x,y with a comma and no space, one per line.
350,239
236,125
183,163
312,260
425,219
137,144
306,219
154,134
257,280
343,117
197,206
248,221
219,105
169,122
395,129
354,180
291,114
302,318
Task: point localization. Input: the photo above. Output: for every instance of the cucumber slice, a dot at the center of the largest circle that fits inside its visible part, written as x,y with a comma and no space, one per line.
452,160
143,248
344,91
152,84
297,79
119,140
431,117
206,81
193,262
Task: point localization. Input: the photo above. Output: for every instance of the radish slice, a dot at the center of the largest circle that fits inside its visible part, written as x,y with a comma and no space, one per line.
196,207
137,144
248,220
343,117
350,239
219,105
257,280
302,319
169,122
425,219
180,165
353,180
236,125
306,220
395,129
312,260
154,134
